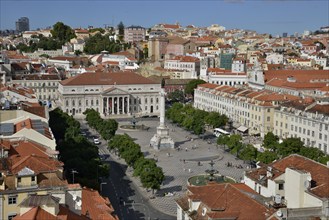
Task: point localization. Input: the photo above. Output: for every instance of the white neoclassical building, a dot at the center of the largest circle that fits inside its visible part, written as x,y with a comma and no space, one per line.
110,93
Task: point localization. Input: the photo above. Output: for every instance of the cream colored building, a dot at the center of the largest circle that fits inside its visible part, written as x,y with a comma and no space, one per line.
305,119
294,182
250,109
109,93
44,85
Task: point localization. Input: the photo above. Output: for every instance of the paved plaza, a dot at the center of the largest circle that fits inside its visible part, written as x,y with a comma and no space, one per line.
179,165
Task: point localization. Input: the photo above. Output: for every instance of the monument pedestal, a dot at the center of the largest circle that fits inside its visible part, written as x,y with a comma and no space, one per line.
162,139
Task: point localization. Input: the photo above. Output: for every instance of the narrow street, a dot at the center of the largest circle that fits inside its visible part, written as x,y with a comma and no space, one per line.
126,199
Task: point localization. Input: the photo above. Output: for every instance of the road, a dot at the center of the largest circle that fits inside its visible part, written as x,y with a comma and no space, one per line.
126,199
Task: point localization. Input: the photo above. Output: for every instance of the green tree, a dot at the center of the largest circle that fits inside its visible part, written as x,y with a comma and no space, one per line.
223,140
121,29
289,146
248,153
152,178
270,141
97,43
143,164
189,88
267,157
62,32
176,96
216,120
311,153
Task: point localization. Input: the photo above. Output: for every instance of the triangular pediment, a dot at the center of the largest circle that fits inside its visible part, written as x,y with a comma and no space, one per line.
26,172
114,91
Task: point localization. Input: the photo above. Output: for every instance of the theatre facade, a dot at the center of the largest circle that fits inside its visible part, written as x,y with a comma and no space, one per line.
110,93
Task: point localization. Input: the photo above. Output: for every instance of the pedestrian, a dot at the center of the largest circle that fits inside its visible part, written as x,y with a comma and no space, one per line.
184,161
186,149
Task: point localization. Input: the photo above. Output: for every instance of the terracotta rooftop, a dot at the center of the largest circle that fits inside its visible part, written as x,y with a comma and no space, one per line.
34,108
295,85
171,26
36,163
98,207
299,75
231,201
107,78
319,172
186,59
37,77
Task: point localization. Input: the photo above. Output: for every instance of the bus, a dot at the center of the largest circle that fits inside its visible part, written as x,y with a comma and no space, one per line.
219,131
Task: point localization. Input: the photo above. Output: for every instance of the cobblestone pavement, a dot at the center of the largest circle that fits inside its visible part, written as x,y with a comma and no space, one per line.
192,150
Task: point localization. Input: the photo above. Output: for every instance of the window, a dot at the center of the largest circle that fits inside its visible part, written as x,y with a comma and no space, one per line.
97,102
281,186
67,102
268,118
12,200
19,179
32,178
86,102
11,216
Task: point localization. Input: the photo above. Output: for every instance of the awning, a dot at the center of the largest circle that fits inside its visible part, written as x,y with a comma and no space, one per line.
242,129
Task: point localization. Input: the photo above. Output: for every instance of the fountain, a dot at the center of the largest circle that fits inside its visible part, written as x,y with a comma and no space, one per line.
133,126
201,180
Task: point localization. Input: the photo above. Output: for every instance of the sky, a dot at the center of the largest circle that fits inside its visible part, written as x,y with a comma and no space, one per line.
264,16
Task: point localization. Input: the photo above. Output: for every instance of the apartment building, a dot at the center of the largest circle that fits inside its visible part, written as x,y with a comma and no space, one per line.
296,184
44,85
306,119
226,77
184,63
254,110
134,34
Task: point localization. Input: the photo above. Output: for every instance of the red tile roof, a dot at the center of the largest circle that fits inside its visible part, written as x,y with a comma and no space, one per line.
107,78
319,172
36,163
97,207
299,75
36,213
227,201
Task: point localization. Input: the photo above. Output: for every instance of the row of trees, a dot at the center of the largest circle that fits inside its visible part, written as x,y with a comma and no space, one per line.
194,119
97,43
76,151
150,174
61,33
106,128
274,149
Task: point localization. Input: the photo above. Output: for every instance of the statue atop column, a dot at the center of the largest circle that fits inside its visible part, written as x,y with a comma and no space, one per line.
162,139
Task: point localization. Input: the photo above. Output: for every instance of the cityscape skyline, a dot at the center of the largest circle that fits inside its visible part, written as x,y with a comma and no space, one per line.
261,16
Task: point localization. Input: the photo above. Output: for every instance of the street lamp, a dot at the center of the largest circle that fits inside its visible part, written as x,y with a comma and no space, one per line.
100,186
73,172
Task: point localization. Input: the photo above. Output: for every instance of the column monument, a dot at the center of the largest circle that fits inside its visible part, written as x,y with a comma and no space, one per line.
162,139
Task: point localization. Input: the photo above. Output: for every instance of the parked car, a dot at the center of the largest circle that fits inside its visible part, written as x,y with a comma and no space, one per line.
96,141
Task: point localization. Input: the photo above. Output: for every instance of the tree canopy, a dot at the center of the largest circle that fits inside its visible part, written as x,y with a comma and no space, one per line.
194,119
76,151
150,175
62,32
190,86
97,43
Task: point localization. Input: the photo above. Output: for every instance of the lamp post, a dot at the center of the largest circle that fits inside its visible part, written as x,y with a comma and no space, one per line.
100,187
73,172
